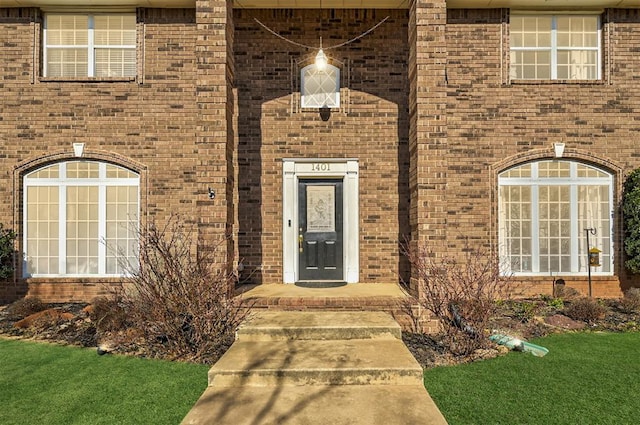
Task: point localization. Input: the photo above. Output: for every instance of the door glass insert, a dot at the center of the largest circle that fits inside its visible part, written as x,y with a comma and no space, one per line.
321,212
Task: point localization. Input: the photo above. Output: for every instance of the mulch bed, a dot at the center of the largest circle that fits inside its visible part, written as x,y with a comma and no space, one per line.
71,324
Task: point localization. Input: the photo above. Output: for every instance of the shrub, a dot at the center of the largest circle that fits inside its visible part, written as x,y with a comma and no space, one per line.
525,311
631,218
179,296
25,307
556,303
585,309
7,239
631,300
566,293
108,313
460,294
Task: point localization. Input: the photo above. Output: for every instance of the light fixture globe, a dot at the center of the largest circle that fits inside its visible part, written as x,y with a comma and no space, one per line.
321,60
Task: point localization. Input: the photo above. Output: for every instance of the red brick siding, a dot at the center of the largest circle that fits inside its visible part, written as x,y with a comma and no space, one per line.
372,125
428,109
494,123
151,124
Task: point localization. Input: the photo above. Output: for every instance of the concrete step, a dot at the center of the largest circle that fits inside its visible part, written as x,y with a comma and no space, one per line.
316,405
316,368
310,325
324,362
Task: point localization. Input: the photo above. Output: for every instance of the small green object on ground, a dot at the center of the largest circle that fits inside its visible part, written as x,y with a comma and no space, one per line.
517,344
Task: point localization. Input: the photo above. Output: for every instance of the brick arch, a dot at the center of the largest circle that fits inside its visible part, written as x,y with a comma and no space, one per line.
570,154
90,155
30,164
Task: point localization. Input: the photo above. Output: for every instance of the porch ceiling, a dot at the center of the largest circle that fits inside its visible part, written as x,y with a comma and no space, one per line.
337,4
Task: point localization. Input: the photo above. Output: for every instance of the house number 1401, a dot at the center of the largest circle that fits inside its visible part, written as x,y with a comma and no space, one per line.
320,166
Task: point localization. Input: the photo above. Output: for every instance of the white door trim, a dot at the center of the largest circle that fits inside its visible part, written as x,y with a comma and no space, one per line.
293,170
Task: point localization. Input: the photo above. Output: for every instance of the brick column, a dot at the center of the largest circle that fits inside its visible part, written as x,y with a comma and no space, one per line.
214,134
427,124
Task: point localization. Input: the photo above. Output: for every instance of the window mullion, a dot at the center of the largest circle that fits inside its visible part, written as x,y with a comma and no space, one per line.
554,49
535,230
45,50
599,56
575,229
91,47
611,228
102,228
62,226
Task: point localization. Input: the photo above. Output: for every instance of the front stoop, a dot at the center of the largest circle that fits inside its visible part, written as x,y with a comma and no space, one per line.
316,368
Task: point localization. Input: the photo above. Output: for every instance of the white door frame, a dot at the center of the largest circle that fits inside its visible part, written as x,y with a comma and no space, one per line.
295,169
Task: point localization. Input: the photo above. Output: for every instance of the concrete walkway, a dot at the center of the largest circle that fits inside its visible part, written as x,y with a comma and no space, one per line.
316,368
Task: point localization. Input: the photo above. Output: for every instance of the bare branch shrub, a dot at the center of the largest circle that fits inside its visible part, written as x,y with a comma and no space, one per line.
411,316
109,313
585,309
567,293
461,294
25,307
631,300
180,295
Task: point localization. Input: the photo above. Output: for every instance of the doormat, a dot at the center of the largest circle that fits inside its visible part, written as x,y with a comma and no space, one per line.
320,284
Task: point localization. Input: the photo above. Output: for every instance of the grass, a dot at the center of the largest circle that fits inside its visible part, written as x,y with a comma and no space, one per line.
587,378
49,384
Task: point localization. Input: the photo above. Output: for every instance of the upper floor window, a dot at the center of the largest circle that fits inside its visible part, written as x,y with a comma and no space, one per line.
555,47
544,209
320,87
80,218
84,45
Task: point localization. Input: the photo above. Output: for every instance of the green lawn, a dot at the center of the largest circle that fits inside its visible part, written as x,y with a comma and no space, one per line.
48,384
587,378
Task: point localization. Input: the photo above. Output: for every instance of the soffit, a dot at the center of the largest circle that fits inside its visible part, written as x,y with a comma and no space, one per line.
329,4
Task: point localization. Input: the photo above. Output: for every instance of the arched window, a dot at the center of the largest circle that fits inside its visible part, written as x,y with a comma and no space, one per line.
320,88
80,218
544,209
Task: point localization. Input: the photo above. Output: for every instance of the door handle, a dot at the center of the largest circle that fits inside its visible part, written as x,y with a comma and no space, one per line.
300,242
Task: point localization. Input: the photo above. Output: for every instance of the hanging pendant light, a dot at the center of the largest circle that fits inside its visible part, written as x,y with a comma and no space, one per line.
321,60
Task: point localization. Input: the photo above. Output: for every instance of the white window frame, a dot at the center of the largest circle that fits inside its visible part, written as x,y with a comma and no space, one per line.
62,182
330,100
553,49
91,46
577,234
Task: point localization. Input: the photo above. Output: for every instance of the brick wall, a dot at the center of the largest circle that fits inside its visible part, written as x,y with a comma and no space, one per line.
152,124
494,123
214,136
371,125
428,178
428,109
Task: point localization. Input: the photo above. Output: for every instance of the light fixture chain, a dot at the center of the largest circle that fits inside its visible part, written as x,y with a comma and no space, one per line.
283,37
358,37
306,46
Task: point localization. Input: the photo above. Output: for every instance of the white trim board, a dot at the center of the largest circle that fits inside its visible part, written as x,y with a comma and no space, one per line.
293,170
